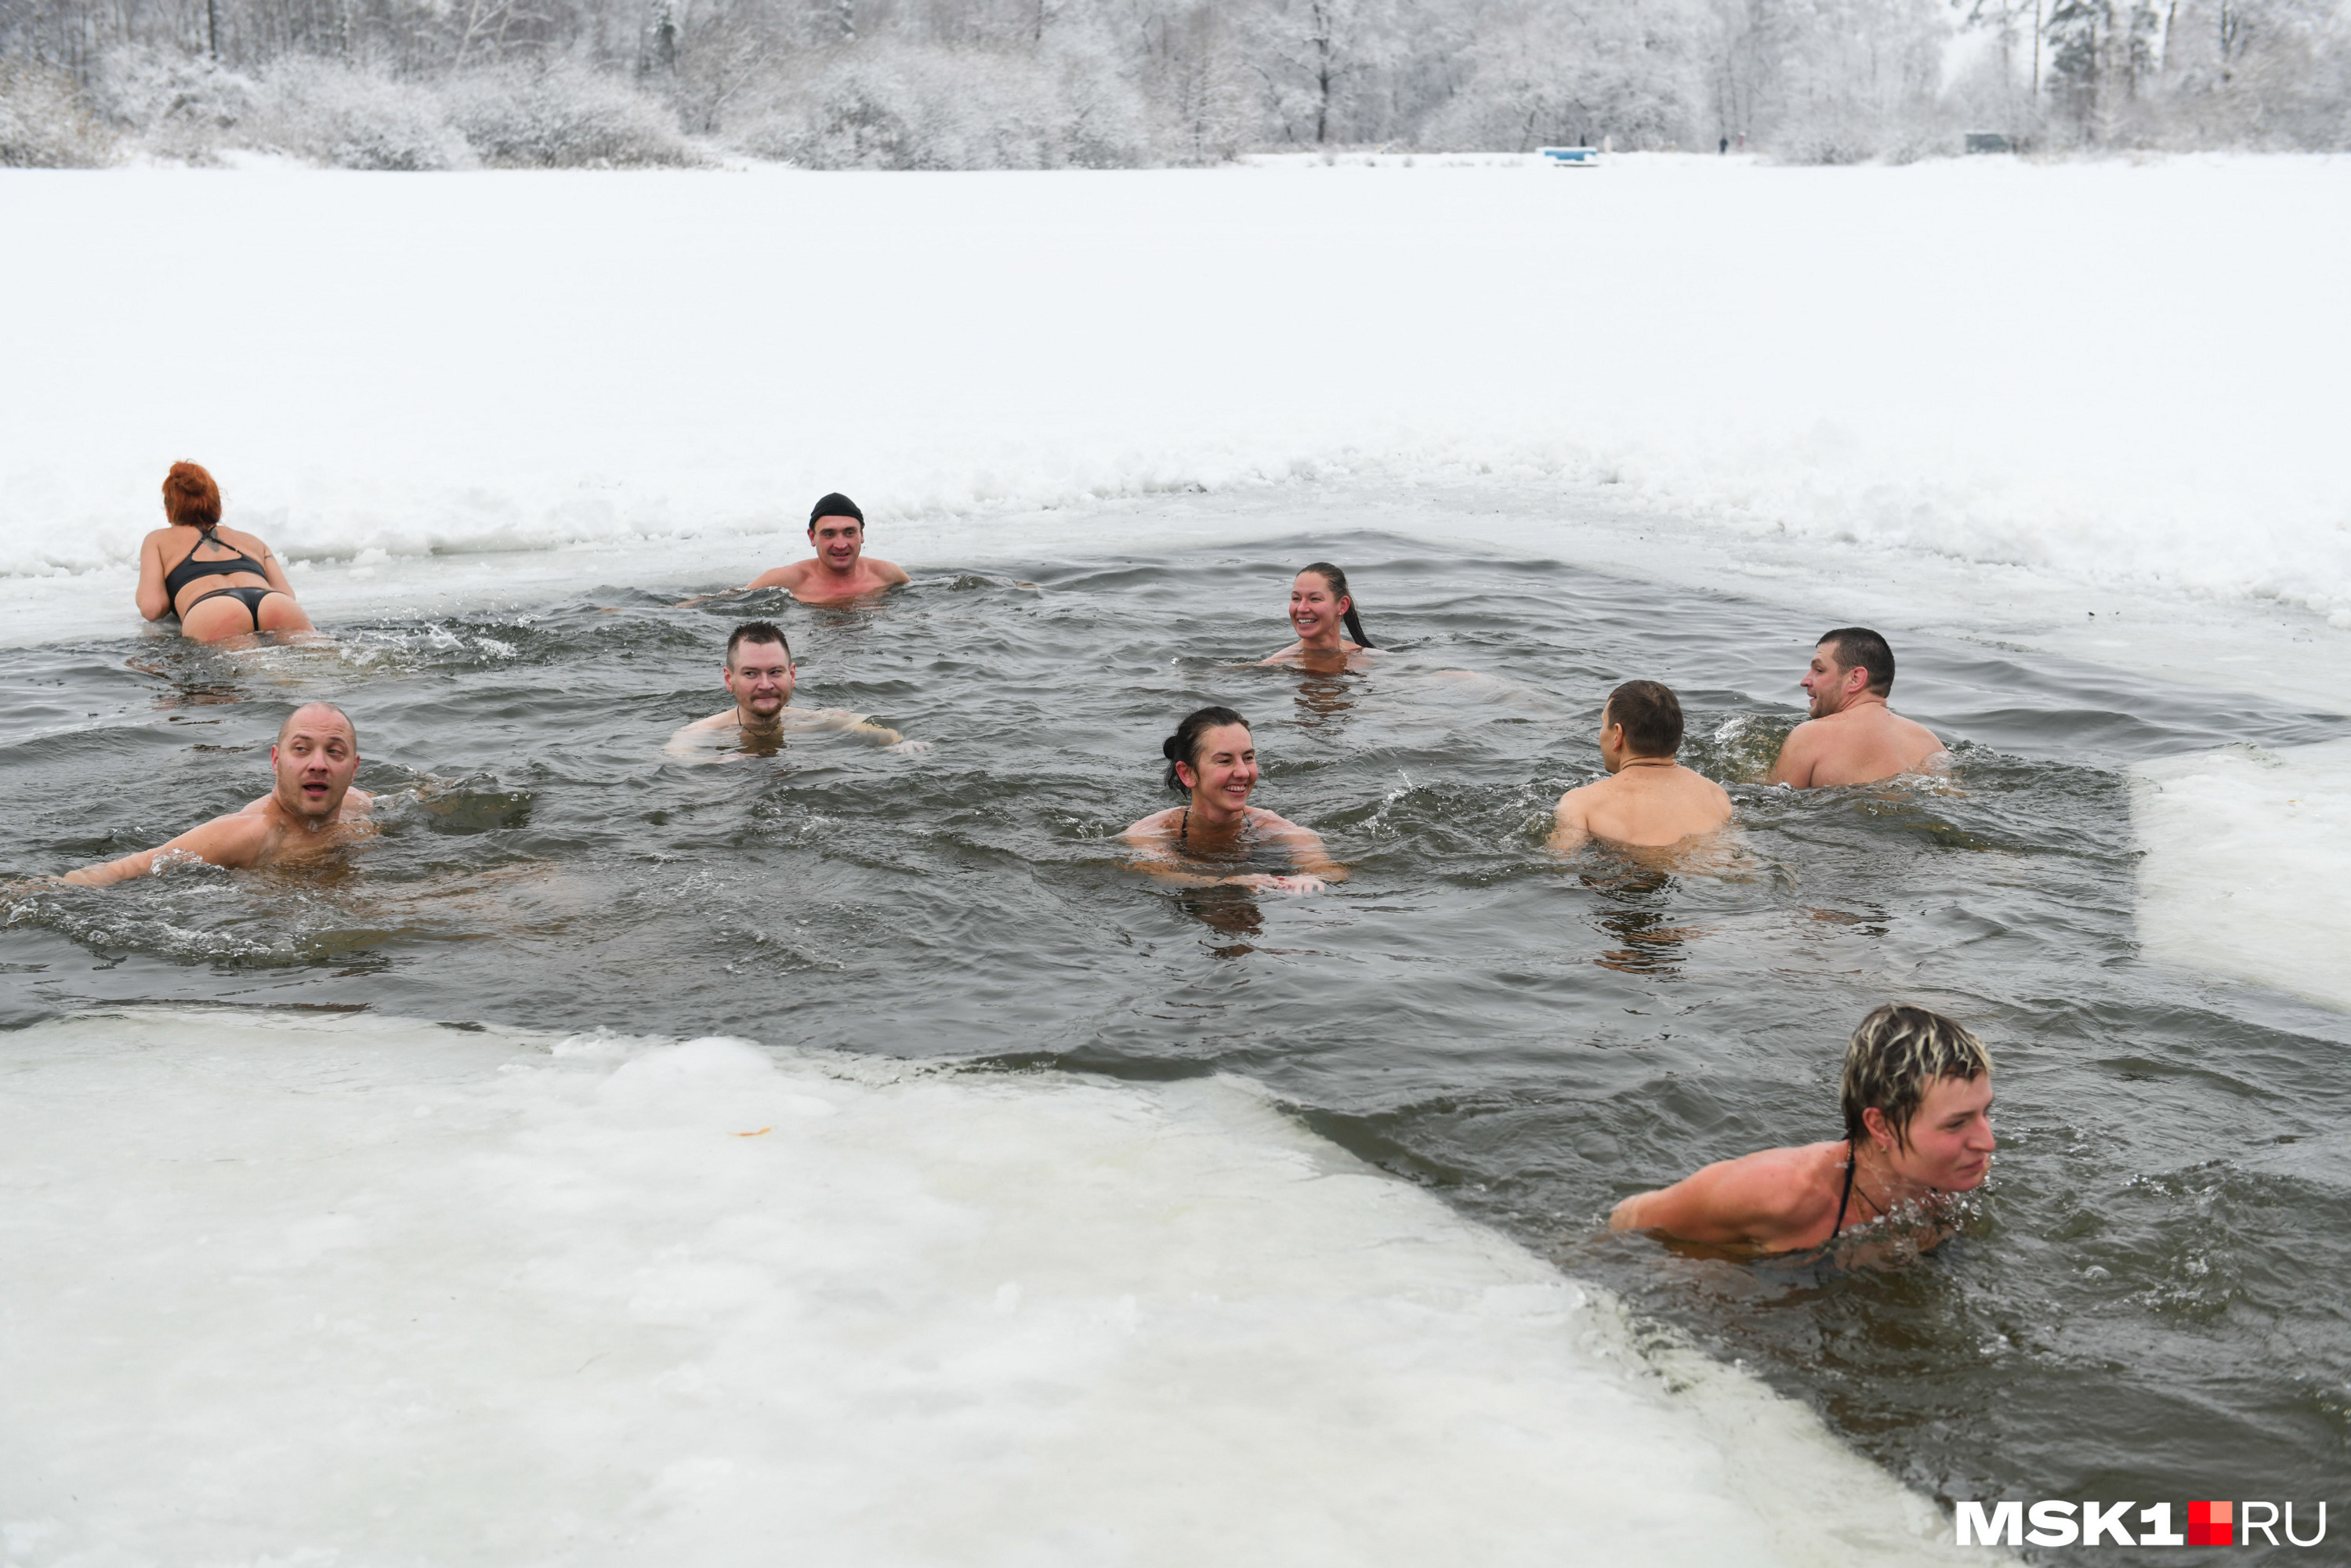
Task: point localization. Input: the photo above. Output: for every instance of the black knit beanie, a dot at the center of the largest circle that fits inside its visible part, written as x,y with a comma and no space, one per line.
836,506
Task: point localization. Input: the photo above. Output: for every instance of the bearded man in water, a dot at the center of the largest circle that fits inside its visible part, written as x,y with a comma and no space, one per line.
312,810
840,570
1647,798
1917,1097
1853,738
760,676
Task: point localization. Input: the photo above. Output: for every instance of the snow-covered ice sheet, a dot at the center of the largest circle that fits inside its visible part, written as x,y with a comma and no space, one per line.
352,1290
2111,372
2245,851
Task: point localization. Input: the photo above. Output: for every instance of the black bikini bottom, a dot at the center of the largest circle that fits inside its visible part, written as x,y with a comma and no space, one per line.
250,597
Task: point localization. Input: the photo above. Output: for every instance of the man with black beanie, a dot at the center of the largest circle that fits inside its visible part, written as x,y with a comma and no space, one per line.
842,570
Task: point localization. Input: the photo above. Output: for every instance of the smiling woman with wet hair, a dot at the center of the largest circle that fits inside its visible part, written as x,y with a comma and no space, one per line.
1212,763
1320,608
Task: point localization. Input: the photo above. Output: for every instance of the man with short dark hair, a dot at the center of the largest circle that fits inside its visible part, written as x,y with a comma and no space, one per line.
759,675
312,809
1647,798
1917,1097
840,570
1852,737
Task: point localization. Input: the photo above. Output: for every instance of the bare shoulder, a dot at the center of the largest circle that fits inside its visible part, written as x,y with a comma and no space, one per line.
1286,656
237,838
1154,831
250,544
781,576
889,572
1273,824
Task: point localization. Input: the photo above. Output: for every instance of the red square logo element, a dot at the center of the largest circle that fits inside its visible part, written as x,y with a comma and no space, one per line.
2208,1523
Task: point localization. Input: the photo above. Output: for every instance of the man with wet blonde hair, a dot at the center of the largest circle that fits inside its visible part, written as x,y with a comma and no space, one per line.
1916,1097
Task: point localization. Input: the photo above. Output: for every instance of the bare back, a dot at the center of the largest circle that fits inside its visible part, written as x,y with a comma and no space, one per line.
1646,804
1857,744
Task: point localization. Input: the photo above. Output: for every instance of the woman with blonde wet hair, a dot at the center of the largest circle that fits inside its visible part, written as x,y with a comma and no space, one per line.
220,582
1322,612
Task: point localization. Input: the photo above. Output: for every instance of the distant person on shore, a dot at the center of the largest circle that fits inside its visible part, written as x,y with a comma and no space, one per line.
1212,762
1320,608
312,810
1916,1098
1648,799
759,675
840,570
220,582
1853,738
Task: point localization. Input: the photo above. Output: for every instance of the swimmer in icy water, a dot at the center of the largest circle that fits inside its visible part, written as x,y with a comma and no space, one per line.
1212,761
840,570
1853,738
312,810
759,673
1648,799
1917,1097
220,582
1320,607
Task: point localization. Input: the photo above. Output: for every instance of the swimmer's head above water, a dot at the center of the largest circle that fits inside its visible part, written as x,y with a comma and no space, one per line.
1641,721
1212,757
315,757
1850,664
1320,604
760,673
1916,1098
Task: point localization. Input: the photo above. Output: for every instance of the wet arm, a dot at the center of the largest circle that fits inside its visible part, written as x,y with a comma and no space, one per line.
276,573
1793,766
1568,831
1727,1203
233,841
152,600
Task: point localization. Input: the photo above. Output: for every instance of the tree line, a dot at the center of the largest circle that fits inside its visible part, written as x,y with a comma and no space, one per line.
1043,83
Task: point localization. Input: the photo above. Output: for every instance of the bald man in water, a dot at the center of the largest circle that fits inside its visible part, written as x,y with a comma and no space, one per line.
312,809
1853,738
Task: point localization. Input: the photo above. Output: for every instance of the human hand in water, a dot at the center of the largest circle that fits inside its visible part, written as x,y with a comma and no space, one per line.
1266,882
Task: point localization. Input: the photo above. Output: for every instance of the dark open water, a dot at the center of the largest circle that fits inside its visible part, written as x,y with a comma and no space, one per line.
2152,1303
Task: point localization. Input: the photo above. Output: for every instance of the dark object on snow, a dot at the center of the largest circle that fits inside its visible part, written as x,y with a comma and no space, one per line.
1990,141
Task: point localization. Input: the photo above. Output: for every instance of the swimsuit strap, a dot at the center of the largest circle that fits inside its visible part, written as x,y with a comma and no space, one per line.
1853,1159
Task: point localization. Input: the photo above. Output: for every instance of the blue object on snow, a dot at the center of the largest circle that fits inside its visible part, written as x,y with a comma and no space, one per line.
1571,156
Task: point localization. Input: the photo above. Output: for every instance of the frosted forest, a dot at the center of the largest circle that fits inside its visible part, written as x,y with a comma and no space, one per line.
1020,84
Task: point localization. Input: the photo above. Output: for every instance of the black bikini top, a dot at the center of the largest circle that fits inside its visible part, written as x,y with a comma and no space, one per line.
190,567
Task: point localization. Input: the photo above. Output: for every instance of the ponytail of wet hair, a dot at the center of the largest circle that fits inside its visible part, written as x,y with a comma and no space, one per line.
1184,746
1337,581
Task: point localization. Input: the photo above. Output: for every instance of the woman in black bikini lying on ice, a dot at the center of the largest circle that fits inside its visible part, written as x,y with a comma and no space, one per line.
220,582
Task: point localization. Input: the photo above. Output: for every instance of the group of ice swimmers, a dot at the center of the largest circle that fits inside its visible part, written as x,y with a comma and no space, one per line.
1916,1088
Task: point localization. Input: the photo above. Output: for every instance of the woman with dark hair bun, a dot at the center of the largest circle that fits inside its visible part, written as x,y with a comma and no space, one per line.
1212,763
220,582
1320,607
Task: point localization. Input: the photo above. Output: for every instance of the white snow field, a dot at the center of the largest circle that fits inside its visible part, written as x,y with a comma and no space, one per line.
2116,372
2243,875
359,1291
